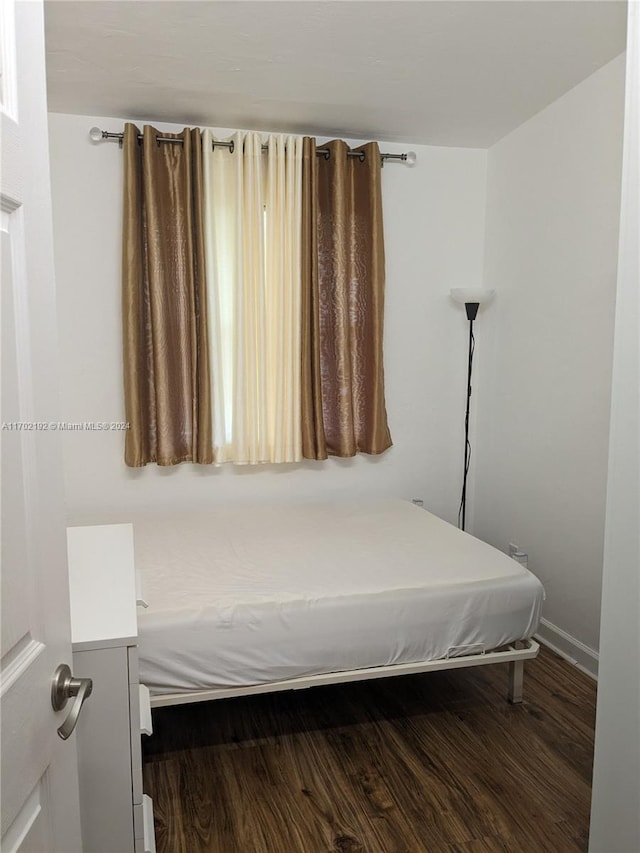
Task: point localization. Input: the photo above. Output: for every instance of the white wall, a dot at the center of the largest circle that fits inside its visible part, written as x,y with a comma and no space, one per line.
553,197
434,224
615,810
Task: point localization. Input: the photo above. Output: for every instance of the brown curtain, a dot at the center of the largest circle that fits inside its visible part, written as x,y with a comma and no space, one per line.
166,364
343,407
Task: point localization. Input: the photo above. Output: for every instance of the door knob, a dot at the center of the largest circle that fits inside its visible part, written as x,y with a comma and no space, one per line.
64,687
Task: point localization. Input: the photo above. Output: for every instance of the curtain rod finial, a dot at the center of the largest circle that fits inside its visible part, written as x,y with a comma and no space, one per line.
96,135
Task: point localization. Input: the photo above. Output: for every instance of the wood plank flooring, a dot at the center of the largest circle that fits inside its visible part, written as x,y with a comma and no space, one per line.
416,764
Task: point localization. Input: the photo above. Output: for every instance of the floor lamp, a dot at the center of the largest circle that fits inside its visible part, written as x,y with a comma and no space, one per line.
471,298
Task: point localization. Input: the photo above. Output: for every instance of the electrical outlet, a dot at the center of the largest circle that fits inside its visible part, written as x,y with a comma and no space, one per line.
512,549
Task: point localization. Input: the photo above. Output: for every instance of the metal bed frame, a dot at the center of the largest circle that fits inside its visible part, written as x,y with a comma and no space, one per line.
514,654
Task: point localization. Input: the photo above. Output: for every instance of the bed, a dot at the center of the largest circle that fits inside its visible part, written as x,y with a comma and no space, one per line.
251,600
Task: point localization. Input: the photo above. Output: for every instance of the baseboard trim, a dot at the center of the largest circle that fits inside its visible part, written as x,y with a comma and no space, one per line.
576,652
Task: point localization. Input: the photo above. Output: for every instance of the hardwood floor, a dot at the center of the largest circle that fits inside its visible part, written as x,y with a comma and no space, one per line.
415,764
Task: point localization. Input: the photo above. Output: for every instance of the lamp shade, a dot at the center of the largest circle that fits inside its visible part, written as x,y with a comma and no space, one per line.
477,295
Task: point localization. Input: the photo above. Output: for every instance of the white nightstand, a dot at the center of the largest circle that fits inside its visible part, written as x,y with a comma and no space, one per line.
116,816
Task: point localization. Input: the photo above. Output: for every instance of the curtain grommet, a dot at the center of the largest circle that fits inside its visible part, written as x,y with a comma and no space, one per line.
327,154
232,147
362,157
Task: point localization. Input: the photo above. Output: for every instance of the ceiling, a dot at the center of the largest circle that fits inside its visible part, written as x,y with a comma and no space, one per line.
448,72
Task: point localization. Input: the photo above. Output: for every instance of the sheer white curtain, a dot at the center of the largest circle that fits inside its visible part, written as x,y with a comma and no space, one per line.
253,248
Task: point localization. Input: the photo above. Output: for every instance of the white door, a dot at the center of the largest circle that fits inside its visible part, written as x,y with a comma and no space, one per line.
40,809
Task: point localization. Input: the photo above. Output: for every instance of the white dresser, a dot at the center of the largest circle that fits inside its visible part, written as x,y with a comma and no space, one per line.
116,816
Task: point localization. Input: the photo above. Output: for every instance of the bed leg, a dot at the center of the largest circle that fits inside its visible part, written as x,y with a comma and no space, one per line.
516,679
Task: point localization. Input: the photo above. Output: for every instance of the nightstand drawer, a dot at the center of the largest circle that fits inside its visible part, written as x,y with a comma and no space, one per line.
146,720
143,827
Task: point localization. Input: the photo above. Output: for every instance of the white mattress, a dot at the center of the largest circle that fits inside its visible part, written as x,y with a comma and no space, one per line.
249,596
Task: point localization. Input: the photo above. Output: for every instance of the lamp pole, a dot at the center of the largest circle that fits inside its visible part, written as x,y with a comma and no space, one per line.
471,298
472,311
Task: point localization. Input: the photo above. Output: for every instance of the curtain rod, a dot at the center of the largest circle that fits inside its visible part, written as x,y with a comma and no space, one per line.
98,135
